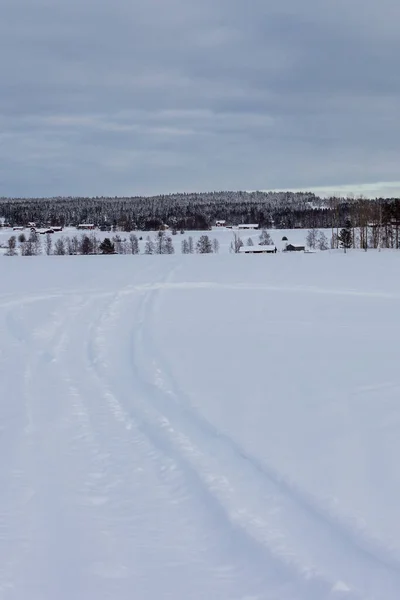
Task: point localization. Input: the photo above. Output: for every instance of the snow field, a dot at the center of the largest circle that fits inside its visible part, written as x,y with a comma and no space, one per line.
200,426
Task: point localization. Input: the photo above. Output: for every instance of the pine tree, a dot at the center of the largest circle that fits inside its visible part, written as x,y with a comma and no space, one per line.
107,247
204,245
185,247
249,242
346,236
85,245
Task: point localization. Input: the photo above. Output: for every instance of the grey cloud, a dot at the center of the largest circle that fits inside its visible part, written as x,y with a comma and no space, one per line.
144,96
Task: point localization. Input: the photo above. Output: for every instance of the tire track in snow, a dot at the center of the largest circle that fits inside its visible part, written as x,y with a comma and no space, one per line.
12,300
64,552
133,428
97,491
17,492
135,436
155,423
131,457
35,347
211,488
363,564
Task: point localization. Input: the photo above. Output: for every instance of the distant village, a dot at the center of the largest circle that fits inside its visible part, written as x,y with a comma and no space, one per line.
25,240
261,248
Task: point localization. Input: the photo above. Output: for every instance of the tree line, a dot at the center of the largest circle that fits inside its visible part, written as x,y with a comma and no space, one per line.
279,210
85,244
160,243
371,233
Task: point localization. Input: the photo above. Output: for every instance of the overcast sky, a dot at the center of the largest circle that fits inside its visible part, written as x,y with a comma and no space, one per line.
128,97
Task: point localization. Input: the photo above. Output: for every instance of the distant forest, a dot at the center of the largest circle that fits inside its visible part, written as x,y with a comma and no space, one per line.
200,211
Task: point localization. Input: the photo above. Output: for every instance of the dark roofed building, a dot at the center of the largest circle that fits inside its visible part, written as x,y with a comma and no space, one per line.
295,248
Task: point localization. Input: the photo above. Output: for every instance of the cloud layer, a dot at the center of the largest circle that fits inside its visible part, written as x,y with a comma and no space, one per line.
148,96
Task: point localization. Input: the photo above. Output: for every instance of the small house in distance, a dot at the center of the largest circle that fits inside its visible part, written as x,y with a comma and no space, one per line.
43,231
220,223
295,248
86,226
248,226
258,250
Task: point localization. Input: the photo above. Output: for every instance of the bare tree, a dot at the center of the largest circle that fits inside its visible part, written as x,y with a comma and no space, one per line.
48,244
68,246
215,245
311,239
74,245
236,243
34,239
59,246
12,246
265,238
168,246
32,246
185,247
322,241
160,242
149,246
117,241
134,244
95,244
363,212
191,244
334,205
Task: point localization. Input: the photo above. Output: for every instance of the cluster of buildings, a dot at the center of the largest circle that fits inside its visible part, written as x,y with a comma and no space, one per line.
242,226
35,229
259,248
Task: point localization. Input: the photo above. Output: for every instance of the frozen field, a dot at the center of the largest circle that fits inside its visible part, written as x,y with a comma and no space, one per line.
200,427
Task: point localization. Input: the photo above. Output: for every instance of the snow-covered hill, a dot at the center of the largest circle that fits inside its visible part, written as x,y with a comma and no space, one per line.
190,427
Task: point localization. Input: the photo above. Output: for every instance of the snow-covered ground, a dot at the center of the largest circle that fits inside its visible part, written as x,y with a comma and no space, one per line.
191,427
